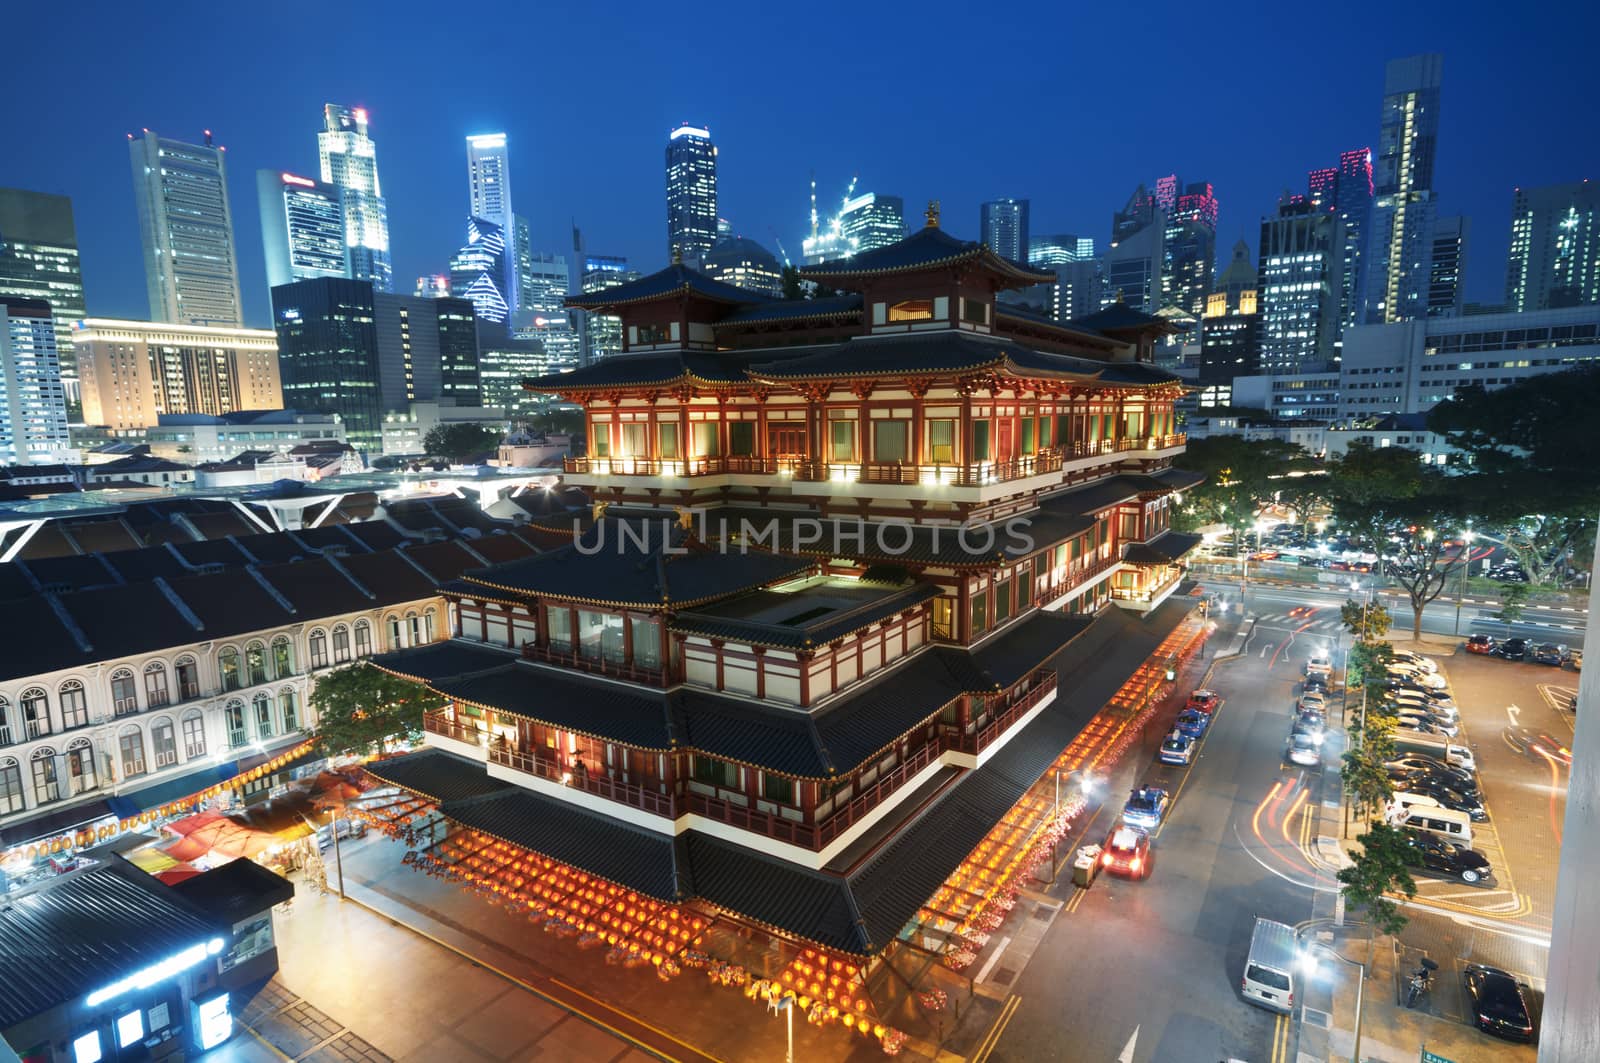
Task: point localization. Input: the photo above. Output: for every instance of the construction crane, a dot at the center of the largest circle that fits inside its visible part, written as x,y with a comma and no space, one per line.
779,241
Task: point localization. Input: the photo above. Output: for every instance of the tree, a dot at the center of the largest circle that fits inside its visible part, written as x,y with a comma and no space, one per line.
1366,484
565,420
1242,476
1512,598
1366,621
460,440
360,707
1381,869
1425,558
793,286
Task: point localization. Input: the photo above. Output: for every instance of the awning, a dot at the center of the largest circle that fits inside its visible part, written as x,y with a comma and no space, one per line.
1164,549
50,825
129,805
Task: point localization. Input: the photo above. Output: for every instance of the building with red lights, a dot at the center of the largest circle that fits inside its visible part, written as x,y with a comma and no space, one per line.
855,571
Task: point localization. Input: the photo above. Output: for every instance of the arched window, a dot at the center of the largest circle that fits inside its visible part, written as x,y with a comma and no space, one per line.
74,704
363,638
5,722
46,782
81,774
282,657
263,705
124,695
10,786
430,624
228,667
393,623
255,660
414,628
341,644
318,644
155,685
238,735
35,712
131,742
288,709
188,678
163,743
194,735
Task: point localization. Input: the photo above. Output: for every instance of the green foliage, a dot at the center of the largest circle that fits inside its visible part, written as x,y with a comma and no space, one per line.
793,287
1242,478
1365,621
558,419
360,707
1513,596
1367,662
460,440
1380,869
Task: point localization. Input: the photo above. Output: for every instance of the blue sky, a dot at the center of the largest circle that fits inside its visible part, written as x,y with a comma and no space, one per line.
1070,105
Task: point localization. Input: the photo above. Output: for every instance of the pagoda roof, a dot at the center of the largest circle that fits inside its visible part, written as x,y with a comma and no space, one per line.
676,280
1120,317
1164,549
943,352
656,369
927,248
1069,329
843,306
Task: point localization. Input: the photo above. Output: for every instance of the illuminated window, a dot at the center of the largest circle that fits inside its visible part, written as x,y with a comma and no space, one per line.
890,440
666,438
130,1029
941,441
912,310
842,440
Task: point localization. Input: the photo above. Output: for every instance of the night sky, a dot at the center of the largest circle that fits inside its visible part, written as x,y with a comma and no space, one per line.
1070,105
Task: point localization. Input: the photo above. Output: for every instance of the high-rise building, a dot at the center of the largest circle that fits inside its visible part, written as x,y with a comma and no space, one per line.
1003,225
478,271
33,403
433,286
136,371
545,301
1133,267
1230,331
39,260
1139,212
1346,190
691,193
489,198
1555,247
1403,211
1059,249
602,333
743,263
1447,266
504,362
872,220
1301,258
190,263
302,228
344,348
1190,250
521,262
350,163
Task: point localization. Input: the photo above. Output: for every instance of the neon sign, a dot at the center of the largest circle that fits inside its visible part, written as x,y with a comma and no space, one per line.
156,972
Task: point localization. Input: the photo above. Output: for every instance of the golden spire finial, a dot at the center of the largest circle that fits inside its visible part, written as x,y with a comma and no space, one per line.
932,214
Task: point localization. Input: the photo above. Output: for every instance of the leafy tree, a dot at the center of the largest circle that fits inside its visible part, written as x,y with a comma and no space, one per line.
1381,869
460,440
1366,622
567,420
1513,596
793,286
1242,477
1367,483
360,707
1424,561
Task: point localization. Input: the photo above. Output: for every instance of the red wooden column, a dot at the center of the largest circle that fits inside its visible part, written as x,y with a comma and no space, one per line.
761,670
804,659
964,444
760,449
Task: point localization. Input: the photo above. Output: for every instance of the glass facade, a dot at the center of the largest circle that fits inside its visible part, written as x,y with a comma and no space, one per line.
191,262
33,400
350,162
691,193
39,260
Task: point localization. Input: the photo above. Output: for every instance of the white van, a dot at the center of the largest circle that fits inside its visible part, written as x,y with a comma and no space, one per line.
1269,970
1446,823
1441,749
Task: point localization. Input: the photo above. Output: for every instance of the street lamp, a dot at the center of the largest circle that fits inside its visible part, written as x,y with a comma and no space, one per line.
1308,965
1085,787
1466,566
786,1005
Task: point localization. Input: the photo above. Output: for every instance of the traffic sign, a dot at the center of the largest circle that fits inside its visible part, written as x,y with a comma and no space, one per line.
1429,1057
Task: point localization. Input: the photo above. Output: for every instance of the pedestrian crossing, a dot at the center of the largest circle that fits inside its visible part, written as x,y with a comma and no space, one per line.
1318,623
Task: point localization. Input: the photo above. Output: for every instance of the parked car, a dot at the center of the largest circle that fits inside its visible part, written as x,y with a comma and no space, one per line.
1420,677
1312,724
1146,807
1427,664
1400,686
1456,778
1317,682
1193,722
1312,701
1537,744
1319,665
1416,721
1483,644
1512,649
1176,748
1407,701
1550,653
1433,853
1449,798
1127,852
1206,701
1303,750
1499,1007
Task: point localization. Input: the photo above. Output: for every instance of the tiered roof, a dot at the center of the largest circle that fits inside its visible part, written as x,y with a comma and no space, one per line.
926,249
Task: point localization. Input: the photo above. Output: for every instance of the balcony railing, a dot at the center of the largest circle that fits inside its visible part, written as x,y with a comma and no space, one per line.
593,665
600,785
442,723
1078,573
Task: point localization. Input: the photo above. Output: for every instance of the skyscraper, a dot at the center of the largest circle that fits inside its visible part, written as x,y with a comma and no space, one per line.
302,228
545,302
1555,247
1059,249
190,263
1401,235
489,198
691,193
478,271
1447,266
1230,332
873,220
1139,212
1301,257
1133,268
743,263
1003,225
39,260
350,162
1190,250
602,333
33,404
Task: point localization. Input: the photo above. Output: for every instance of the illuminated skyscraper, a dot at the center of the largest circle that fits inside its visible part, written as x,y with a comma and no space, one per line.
350,162
602,333
1346,190
302,228
33,404
39,260
1555,247
1301,259
1447,265
743,263
873,220
691,193
545,313
1190,251
190,262
478,271
1400,239
1003,225
489,195
1059,250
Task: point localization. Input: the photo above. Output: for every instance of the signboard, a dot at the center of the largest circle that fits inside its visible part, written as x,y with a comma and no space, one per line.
1429,1057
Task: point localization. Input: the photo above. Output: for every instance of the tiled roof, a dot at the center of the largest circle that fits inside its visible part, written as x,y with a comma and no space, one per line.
1120,316
1012,655
88,931
236,890
658,368
926,248
795,635
635,716
946,351
840,306
782,740
676,279
1162,550
436,775
443,660
1177,479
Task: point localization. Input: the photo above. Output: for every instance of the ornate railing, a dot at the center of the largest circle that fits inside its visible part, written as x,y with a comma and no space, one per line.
442,723
593,665
1078,573
600,785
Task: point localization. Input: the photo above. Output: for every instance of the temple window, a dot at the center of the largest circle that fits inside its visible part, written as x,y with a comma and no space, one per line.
842,440
974,311
912,310
668,439
654,334
705,439
941,441
601,439
633,444
741,439
560,625
980,440
891,440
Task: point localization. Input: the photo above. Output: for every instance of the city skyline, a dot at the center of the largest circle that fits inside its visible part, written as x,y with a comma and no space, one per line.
766,163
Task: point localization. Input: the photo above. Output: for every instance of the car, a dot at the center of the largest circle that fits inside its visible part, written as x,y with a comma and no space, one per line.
1319,665
1395,685
1318,682
1550,653
1176,748
1498,1006
1311,724
1422,781
1537,744
1207,701
1312,702
1427,664
1458,778
1424,724
1433,853
1512,649
1446,713
1472,806
1146,807
1483,644
1417,677
1303,750
1434,699
1193,723
1127,852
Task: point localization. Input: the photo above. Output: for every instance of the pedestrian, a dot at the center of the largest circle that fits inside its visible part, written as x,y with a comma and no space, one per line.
580,769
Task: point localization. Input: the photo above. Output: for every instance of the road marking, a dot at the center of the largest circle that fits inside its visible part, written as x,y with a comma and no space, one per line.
995,956
1126,1055
1264,650
1514,712
992,1038
1280,1040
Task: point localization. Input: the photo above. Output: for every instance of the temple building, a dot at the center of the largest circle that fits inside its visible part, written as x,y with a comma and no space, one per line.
855,571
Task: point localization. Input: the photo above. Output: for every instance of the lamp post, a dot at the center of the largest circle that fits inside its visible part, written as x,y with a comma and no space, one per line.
1086,787
1466,565
786,1005
1308,963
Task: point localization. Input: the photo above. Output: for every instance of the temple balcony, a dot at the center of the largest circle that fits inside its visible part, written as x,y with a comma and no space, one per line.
1156,586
